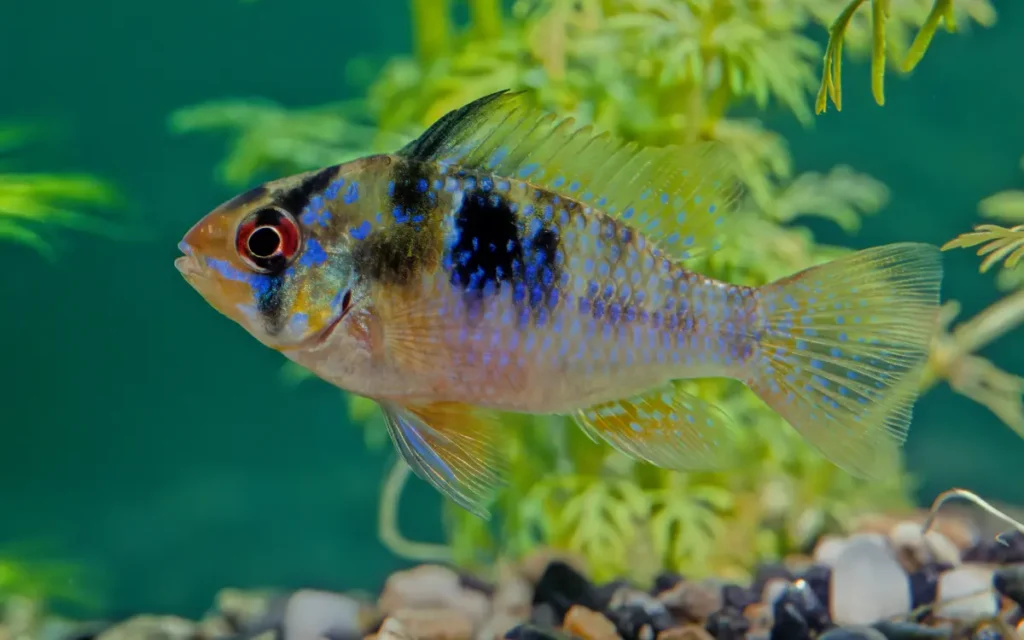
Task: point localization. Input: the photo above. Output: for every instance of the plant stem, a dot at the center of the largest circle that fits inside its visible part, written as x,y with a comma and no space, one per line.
432,27
485,16
387,522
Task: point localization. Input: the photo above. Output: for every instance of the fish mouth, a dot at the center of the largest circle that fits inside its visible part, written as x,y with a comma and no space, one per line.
189,268
187,265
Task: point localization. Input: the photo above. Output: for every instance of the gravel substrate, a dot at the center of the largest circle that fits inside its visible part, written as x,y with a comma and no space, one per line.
886,581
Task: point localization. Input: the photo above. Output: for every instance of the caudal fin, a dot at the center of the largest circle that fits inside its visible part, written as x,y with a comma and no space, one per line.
843,348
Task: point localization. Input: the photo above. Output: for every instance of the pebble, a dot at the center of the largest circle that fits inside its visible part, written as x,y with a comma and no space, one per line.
760,617
727,624
966,594
152,628
911,631
435,624
665,581
311,615
688,632
818,578
737,597
531,632
852,633
433,587
252,612
691,601
766,573
392,629
1009,581
827,550
868,583
917,548
589,625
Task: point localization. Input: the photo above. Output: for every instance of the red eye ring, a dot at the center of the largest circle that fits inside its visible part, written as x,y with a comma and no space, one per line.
268,239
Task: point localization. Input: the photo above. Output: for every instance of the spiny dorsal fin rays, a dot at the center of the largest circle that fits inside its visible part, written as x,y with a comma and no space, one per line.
675,195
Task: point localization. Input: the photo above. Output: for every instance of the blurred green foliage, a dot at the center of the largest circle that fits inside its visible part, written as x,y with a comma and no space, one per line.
657,72
32,571
33,204
891,23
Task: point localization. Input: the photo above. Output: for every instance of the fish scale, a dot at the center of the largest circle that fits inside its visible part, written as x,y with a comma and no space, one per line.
507,260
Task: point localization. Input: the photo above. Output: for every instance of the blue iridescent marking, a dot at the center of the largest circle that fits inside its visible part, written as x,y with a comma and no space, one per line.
360,232
334,188
528,170
314,254
352,194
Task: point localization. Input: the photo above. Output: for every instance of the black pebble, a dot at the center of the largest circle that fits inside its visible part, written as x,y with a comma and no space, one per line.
766,573
530,632
911,631
996,552
798,612
727,624
544,615
818,577
924,584
737,597
561,586
1009,581
634,622
665,581
604,593
852,633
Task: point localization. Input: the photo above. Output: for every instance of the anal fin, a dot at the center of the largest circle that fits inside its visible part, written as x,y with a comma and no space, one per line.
452,446
666,426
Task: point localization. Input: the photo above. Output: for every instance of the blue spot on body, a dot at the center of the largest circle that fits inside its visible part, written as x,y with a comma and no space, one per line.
360,232
314,254
334,188
352,194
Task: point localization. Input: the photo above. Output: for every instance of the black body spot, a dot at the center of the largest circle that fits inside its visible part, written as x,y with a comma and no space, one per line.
295,200
409,192
270,302
495,248
407,243
486,252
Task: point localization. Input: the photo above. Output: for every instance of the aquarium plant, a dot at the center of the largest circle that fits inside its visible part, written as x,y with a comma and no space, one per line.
33,205
655,72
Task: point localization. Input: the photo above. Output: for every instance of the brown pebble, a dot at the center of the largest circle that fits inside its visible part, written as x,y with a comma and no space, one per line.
426,586
687,632
390,629
215,627
435,624
152,628
589,625
760,617
244,609
692,601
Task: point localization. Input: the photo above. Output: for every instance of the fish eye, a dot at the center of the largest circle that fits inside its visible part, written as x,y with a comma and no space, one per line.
268,239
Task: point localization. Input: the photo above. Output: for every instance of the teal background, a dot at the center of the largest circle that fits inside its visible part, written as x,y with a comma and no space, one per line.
151,438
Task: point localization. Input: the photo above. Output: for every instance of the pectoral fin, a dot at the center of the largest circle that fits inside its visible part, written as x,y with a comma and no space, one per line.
666,427
452,446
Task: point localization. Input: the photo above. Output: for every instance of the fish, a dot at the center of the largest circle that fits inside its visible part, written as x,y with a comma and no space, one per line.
511,261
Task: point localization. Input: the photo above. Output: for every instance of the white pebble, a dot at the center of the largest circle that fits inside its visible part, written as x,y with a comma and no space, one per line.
868,583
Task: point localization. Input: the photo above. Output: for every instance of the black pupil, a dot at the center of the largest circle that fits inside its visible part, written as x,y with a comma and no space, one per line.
264,242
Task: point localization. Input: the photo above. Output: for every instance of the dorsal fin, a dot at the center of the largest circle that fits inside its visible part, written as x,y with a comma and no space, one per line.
676,195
